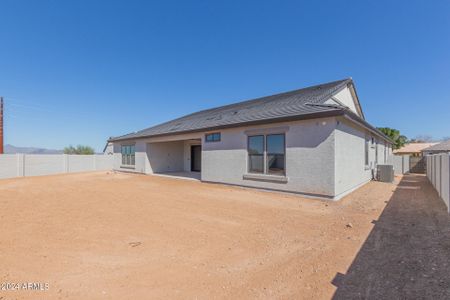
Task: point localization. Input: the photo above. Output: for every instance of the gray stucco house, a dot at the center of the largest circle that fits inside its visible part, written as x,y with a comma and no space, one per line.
313,141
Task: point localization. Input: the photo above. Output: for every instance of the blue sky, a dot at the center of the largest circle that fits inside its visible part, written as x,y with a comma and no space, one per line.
77,72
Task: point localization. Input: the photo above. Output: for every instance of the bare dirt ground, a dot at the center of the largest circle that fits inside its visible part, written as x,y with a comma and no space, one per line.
123,236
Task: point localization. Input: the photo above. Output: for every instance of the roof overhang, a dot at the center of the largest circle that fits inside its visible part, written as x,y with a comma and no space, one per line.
325,114
351,116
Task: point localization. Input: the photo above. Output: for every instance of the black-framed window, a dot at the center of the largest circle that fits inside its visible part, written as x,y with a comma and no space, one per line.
212,137
266,154
256,154
275,154
128,155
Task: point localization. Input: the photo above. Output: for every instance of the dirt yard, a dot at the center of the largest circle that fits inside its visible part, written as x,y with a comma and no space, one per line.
123,236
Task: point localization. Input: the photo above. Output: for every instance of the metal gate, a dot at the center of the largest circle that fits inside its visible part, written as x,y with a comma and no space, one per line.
417,164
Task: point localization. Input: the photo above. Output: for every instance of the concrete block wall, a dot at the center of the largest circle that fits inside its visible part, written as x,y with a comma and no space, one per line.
438,172
36,165
19,165
8,165
401,164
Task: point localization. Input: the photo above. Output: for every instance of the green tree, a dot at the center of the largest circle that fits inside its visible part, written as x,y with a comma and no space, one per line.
80,149
394,134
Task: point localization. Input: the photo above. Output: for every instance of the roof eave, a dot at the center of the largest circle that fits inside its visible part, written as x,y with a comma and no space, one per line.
316,115
358,120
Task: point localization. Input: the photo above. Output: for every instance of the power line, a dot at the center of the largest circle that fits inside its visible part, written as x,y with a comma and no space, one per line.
18,105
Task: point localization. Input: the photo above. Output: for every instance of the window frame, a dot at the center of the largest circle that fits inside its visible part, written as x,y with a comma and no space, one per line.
265,154
128,155
376,152
213,139
366,152
267,171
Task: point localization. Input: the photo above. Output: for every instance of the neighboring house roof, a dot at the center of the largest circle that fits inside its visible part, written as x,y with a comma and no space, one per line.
413,148
441,147
306,103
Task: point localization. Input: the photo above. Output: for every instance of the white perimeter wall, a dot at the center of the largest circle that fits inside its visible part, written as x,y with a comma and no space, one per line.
18,165
401,164
438,172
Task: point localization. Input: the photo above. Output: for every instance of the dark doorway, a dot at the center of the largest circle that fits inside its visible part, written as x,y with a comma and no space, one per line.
196,158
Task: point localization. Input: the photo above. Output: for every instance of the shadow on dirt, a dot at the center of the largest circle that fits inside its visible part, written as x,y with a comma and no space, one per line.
407,253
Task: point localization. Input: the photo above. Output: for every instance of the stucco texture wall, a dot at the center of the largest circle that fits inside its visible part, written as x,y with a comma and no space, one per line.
324,157
166,156
351,170
159,154
309,157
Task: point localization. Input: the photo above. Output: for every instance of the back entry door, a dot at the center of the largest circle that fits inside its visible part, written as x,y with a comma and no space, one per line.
196,158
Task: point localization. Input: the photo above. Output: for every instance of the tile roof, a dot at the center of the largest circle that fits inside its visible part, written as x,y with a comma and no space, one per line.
306,101
413,148
444,146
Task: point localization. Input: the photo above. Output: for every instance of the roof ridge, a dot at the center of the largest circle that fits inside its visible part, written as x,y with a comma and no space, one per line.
341,81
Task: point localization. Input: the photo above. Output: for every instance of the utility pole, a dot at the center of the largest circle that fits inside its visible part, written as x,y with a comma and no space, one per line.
1,126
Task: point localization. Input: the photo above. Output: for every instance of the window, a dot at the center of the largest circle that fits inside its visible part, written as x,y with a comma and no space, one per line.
366,152
128,155
256,154
266,154
376,152
212,137
275,154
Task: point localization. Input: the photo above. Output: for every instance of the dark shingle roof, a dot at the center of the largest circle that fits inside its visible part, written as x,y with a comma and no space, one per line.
303,102
441,147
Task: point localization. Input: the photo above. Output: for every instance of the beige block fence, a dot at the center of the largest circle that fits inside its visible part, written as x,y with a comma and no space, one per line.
20,165
438,172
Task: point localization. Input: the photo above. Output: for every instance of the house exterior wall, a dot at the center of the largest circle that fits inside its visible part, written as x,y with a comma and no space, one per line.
187,153
144,147
165,156
309,157
350,169
324,157
142,164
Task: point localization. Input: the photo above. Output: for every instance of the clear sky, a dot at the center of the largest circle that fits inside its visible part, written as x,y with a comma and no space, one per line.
77,72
